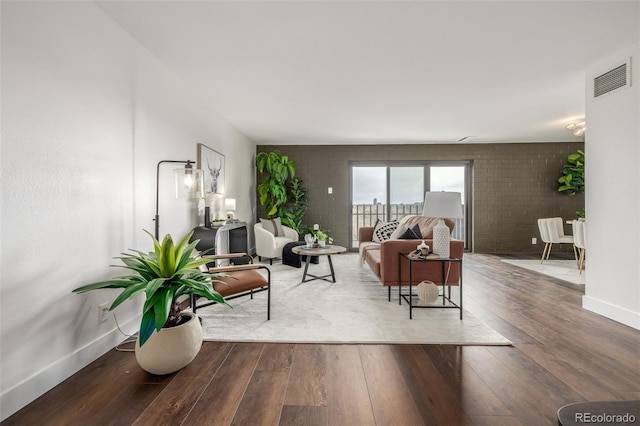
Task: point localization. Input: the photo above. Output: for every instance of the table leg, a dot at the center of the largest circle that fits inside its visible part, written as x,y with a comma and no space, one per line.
306,267
460,289
410,290
399,282
333,274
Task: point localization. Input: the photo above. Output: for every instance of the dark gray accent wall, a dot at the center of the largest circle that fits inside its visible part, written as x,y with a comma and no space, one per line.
513,186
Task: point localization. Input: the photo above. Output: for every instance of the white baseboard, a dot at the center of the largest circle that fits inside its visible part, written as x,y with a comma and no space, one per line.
616,313
28,390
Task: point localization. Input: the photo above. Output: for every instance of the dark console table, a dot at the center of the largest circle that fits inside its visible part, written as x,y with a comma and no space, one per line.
227,238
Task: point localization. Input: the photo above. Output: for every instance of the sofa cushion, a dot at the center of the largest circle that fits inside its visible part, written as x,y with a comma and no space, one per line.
273,225
383,230
426,225
364,247
372,257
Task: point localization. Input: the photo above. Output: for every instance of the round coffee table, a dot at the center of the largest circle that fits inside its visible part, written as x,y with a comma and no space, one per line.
320,251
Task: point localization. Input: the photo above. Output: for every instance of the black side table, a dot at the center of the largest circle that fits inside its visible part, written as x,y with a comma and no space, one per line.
446,262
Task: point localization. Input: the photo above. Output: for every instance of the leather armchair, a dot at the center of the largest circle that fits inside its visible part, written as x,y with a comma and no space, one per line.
238,280
270,246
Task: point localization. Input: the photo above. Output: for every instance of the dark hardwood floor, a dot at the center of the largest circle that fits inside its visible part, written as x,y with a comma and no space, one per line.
561,354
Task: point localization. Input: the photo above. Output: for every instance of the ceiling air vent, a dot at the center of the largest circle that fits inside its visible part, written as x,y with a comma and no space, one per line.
614,79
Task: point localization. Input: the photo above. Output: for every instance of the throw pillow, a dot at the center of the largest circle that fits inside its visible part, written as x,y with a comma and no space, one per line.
273,225
383,230
402,229
411,234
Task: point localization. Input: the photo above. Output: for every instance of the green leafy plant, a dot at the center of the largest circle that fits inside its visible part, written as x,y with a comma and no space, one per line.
294,210
281,193
320,234
572,179
273,190
165,274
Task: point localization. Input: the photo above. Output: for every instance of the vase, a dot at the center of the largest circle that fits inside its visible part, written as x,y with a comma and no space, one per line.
322,243
427,291
171,349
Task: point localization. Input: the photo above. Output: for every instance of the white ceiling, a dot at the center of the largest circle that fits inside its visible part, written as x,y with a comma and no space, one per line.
354,72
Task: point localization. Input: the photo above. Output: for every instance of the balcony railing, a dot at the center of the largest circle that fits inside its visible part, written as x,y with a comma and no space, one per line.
368,215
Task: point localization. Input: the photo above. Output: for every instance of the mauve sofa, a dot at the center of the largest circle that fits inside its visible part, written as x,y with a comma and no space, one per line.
384,260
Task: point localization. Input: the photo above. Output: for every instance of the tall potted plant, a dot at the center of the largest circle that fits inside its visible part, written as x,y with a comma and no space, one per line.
281,193
273,190
168,338
294,210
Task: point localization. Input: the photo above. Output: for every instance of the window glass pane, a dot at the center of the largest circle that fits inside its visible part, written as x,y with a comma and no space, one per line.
369,185
369,198
447,179
407,185
450,179
406,191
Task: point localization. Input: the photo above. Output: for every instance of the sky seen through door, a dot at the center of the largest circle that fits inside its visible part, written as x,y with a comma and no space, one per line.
369,183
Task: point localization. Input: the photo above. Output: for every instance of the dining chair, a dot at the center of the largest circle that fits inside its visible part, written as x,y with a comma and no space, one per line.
579,241
555,229
544,236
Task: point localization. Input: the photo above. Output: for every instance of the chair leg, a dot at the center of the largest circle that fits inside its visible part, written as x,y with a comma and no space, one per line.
576,255
270,261
544,252
549,251
581,261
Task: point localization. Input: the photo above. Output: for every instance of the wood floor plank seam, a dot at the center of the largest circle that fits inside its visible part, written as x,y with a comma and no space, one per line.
208,384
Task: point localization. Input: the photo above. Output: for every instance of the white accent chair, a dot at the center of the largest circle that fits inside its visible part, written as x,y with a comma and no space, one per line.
579,241
270,246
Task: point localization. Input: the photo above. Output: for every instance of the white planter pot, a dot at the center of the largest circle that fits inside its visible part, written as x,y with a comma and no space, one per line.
172,348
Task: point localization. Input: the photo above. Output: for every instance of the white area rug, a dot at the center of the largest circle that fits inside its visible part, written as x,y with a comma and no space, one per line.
566,270
355,309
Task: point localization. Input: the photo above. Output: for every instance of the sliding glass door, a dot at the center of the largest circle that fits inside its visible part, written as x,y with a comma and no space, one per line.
406,189
391,190
451,179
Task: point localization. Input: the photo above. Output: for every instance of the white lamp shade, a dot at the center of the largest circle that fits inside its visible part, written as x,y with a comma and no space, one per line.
443,205
230,204
189,183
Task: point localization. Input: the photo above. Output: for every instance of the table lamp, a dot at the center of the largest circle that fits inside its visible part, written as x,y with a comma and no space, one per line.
230,207
442,205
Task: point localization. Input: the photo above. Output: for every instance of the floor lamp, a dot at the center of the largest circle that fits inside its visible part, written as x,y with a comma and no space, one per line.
442,205
189,184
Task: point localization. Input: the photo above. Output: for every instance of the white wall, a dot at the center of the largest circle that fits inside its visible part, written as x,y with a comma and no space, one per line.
87,114
612,149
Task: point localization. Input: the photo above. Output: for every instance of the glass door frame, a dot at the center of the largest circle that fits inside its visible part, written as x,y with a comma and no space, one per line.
468,186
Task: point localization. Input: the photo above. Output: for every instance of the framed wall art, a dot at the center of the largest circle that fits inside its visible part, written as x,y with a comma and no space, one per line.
212,164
